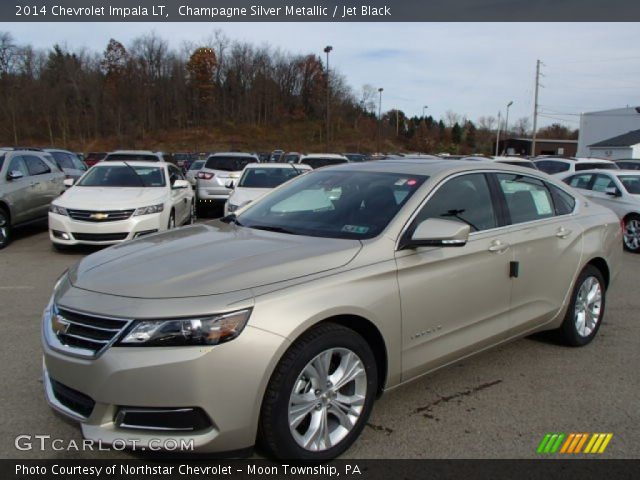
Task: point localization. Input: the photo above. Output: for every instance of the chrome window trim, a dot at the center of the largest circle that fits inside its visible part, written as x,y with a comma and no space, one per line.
496,229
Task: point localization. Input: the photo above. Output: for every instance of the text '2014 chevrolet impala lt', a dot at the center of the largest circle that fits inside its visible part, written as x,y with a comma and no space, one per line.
283,322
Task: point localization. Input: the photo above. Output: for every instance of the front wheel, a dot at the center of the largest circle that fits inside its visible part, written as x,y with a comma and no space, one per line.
320,395
632,233
5,229
172,221
586,310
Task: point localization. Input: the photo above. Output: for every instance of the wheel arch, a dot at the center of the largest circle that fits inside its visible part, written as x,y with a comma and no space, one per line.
601,264
5,206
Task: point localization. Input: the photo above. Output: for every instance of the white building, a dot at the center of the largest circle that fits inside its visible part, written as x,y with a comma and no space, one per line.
622,146
603,125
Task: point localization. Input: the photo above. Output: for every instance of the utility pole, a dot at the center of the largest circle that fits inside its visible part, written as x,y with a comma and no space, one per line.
397,122
498,135
328,49
380,90
535,110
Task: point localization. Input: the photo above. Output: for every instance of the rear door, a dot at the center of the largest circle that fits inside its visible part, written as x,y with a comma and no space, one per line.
19,191
547,244
455,300
43,181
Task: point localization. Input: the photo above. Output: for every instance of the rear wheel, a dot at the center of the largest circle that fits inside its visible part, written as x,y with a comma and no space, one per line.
320,395
586,309
5,228
632,233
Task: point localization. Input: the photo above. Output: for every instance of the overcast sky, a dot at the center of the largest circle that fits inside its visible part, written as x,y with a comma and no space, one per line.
474,69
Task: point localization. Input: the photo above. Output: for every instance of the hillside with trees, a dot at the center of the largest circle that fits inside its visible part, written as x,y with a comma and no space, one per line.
218,95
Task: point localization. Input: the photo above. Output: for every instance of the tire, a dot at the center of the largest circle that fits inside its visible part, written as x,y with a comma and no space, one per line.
5,228
193,215
631,238
172,221
296,375
585,314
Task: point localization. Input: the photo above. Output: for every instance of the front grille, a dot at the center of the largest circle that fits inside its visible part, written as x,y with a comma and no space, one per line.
104,216
99,237
72,399
87,332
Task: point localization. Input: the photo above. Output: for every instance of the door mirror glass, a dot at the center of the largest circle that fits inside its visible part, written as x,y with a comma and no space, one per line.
435,232
180,184
68,182
613,191
15,175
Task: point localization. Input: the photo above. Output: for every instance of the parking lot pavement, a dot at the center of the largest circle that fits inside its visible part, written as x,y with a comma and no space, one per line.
498,404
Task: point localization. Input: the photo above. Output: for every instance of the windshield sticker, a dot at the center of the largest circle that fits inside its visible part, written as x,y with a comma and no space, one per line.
355,229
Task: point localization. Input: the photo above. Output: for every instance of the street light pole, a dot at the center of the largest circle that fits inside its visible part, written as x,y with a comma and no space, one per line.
423,109
506,121
327,50
498,135
380,90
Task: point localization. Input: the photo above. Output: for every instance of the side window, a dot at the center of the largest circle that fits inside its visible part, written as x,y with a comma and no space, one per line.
563,202
35,165
465,199
602,183
17,164
580,181
527,198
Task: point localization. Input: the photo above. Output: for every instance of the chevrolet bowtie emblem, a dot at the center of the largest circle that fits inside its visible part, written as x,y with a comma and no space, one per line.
59,324
99,216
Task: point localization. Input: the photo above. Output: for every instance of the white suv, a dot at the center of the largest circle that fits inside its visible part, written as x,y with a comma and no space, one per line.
220,169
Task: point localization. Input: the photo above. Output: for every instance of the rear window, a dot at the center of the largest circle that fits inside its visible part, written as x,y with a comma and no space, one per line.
229,164
322,162
629,165
197,165
631,183
130,157
580,166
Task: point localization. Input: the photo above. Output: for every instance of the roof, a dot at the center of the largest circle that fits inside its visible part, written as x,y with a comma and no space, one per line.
132,163
572,160
325,155
135,152
293,166
233,154
625,140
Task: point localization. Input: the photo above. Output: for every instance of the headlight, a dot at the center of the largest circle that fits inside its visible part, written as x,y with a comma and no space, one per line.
194,331
149,210
59,210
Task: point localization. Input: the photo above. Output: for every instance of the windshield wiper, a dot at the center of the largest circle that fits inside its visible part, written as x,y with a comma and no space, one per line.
270,228
136,173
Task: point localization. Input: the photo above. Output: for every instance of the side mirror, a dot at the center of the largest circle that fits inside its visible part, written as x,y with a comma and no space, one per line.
68,182
229,184
613,191
178,184
15,175
435,232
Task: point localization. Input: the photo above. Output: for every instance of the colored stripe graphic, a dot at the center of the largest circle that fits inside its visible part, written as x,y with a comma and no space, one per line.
573,443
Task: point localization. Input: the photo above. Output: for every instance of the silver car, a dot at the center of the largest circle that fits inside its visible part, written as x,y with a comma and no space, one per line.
618,190
192,173
29,181
218,171
288,319
68,162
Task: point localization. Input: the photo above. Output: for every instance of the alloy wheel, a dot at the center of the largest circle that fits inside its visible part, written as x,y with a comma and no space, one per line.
4,228
327,399
588,306
632,234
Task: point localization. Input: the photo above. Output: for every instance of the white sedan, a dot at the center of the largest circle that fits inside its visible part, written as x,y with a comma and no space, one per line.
118,201
618,190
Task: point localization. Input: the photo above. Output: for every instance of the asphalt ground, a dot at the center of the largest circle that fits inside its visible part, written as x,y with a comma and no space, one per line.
497,404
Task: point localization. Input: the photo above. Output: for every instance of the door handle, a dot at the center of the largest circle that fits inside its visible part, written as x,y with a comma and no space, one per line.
563,233
498,247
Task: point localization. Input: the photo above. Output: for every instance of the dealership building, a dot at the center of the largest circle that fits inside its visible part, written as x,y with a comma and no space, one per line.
610,134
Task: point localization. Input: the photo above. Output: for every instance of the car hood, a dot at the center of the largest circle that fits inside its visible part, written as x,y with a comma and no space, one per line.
240,195
109,198
207,259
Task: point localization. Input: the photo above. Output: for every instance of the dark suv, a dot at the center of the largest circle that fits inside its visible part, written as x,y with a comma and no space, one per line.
29,181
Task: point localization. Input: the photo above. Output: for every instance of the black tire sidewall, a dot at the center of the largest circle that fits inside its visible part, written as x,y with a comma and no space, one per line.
7,240
281,385
569,331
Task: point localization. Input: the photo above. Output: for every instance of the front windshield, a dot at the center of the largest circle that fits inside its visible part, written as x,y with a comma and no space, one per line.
631,183
197,165
67,160
123,176
267,177
334,203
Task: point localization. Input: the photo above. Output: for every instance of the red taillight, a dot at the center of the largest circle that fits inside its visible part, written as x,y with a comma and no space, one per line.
205,175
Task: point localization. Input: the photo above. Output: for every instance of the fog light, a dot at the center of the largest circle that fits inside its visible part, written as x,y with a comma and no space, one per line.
61,235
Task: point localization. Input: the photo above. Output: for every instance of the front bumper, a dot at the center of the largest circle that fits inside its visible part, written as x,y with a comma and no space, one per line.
226,382
63,229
